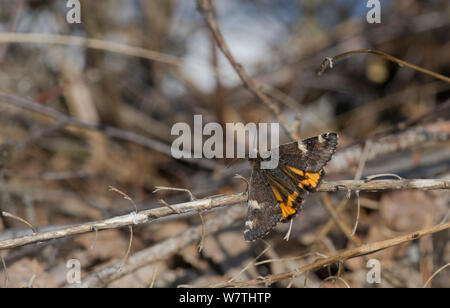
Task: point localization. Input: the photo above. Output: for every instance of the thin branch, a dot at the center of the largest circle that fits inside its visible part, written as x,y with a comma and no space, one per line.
435,273
5,270
127,254
110,131
323,231
206,8
350,234
162,250
343,256
420,184
342,225
215,202
202,239
114,47
386,144
328,62
6,214
124,195
162,188
381,144
126,220
89,43
163,202
358,213
336,278
155,272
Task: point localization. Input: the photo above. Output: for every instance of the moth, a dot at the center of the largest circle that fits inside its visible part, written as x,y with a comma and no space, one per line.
276,195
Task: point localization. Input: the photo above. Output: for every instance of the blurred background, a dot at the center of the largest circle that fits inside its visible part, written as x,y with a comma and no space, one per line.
163,68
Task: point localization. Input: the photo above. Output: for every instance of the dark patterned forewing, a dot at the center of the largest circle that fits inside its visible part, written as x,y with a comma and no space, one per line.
303,161
287,193
263,210
277,195
309,154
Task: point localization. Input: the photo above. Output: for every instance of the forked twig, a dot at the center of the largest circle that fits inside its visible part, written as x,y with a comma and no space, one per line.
343,256
9,215
328,62
212,203
207,10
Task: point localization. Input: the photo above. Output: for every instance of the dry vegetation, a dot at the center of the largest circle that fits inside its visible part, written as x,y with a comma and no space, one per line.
85,118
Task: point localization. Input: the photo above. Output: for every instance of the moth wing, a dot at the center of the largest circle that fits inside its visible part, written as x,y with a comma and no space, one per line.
309,155
287,193
263,210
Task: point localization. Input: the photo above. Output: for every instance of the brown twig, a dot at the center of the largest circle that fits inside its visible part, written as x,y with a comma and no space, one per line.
421,184
341,257
412,138
5,271
214,202
89,43
162,250
382,145
126,220
6,214
435,273
206,8
342,225
328,62
129,136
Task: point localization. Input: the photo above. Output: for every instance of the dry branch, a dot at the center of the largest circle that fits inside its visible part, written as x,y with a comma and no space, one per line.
161,250
39,38
211,203
382,145
125,220
346,185
328,62
412,138
341,257
65,120
207,10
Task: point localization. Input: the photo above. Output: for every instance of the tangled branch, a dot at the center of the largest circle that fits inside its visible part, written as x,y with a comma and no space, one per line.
340,257
212,203
207,10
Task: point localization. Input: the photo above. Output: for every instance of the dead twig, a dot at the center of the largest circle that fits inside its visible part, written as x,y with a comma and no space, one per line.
89,43
420,184
125,220
382,145
5,271
9,215
328,62
342,225
206,8
215,202
110,131
161,250
435,273
343,256
127,254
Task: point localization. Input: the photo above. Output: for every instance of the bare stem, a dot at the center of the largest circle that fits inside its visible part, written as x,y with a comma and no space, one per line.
207,10
341,257
328,62
211,203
